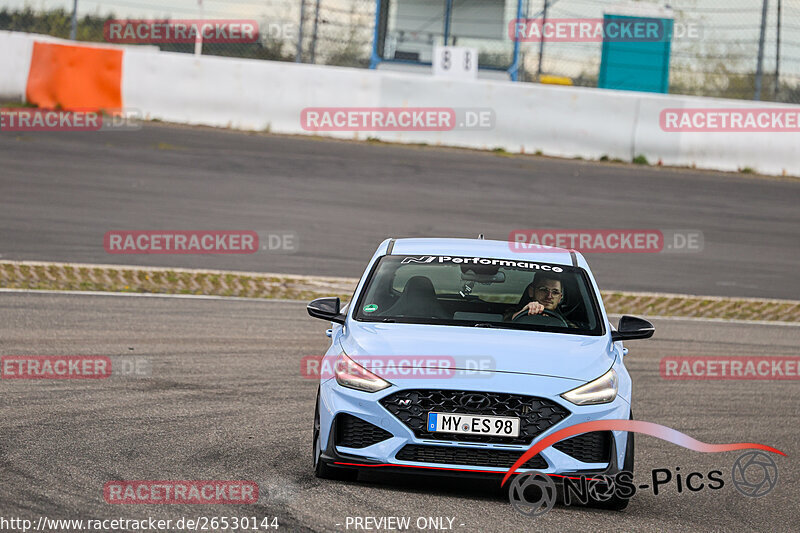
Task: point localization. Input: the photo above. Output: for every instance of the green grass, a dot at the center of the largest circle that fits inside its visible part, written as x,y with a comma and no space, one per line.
15,105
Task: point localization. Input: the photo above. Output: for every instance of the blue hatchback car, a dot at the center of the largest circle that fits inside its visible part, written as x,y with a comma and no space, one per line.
455,355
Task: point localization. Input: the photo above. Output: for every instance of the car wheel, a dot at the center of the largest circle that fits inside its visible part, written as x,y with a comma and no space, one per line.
321,470
615,503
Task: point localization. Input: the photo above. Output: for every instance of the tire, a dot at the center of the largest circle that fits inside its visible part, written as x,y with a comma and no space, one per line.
615,503
321,470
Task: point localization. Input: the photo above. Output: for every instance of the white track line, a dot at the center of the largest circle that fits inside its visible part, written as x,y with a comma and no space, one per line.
240,299
724,320
352,282
152,295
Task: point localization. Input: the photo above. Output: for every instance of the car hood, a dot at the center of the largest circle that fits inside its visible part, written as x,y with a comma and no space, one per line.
578,357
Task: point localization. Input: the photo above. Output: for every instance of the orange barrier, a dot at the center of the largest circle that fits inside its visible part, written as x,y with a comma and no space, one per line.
75,77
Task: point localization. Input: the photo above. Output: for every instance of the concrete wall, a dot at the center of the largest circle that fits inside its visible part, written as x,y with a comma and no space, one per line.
555,120
15,61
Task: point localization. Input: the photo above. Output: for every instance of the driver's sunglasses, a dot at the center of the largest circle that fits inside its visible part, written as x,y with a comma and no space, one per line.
554,292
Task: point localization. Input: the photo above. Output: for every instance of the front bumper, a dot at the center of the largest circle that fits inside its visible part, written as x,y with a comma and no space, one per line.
382,456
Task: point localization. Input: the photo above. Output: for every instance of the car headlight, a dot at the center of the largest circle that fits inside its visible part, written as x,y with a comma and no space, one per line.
601,390
354,376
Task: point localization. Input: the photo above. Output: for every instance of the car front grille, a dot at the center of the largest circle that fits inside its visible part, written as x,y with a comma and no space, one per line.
452,455
536,415
592,447
353,432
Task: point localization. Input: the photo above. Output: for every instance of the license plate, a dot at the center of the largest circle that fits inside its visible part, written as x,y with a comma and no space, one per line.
501,426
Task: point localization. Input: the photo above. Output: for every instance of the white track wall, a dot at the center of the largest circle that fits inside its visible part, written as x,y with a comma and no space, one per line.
238,93
16,50
558,121
555,120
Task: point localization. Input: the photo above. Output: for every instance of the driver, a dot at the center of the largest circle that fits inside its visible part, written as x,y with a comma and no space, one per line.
543,294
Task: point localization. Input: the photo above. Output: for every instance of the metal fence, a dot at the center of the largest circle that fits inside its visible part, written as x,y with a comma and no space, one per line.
717,55
723,61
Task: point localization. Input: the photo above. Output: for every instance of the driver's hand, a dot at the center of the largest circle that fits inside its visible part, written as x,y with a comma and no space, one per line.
533,308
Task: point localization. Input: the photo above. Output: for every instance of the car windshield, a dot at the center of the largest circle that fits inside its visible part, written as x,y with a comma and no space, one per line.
480,292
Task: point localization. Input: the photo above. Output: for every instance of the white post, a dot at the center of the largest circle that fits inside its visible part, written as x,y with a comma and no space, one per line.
73,31
198,42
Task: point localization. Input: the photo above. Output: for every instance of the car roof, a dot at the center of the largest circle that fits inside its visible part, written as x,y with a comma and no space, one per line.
480,248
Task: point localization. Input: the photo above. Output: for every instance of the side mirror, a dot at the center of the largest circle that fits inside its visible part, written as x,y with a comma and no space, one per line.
326,309
631,327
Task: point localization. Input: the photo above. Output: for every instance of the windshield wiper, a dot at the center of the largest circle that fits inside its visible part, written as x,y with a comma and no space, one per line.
388,320
493,325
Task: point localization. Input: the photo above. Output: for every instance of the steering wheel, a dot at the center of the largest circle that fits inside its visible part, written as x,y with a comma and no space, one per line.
521,318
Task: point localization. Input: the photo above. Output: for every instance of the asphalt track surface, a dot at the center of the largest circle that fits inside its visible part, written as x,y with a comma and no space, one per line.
61,192
225,400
